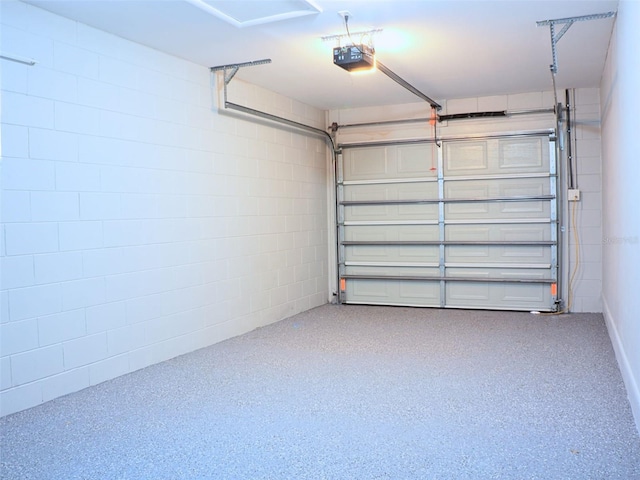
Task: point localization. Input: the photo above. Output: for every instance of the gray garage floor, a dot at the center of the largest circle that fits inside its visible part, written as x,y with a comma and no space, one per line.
352,392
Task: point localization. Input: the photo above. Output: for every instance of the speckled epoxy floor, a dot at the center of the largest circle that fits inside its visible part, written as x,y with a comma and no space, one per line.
351,392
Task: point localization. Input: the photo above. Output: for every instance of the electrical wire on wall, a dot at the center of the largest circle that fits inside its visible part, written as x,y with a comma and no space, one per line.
572,167
576,239
571,183
555,94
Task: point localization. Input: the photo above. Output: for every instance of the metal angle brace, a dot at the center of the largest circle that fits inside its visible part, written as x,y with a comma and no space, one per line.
555,38
231,70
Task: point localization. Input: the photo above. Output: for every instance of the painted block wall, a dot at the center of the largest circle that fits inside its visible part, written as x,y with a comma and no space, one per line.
138,222
586,150
621,197
587,285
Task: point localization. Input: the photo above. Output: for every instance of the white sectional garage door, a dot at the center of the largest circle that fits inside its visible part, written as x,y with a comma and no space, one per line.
469,224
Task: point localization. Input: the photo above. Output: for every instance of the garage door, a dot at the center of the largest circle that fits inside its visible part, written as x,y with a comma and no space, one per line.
471,223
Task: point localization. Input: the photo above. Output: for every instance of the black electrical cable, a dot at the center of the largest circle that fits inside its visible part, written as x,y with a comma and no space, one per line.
334,157
353,44
434,115
569,140
346,26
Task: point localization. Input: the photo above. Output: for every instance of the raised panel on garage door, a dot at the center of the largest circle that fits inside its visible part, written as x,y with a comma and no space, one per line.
497,156
393,292
389,162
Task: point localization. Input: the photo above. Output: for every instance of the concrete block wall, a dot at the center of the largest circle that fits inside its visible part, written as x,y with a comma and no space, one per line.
587,284
138,222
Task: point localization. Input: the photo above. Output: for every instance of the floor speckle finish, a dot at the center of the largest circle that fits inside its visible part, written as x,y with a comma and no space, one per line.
351,392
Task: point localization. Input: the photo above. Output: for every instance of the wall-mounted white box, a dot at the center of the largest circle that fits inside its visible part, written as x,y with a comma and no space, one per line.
573,195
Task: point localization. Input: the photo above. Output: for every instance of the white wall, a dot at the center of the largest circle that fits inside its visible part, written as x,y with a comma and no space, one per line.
587,283
138,223
586,150
621,196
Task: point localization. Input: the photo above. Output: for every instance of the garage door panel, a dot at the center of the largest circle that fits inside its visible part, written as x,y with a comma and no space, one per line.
368,253
498,187
418,212
466,190
526,253
499,273
499,296
366,163
392,253
379,163
394,233
519,233
361,290
499,254
468,293
390,213
414,292
499,232
462,157
526,155
522,187
393,270
494,210
367,233
392,191
370,212
534,210
467,253
497,156
393,292
507,256
408,253
539,209
466,233
419,191
416,159
465,211
361,193
515,293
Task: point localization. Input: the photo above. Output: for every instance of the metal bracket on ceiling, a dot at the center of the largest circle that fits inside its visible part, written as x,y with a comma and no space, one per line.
555,38
338,38
228,75
230,71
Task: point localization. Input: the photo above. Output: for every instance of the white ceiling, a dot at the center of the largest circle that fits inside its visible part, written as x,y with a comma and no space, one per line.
445,48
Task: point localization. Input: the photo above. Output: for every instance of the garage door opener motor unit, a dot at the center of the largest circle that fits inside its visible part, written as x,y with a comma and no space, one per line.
354,57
